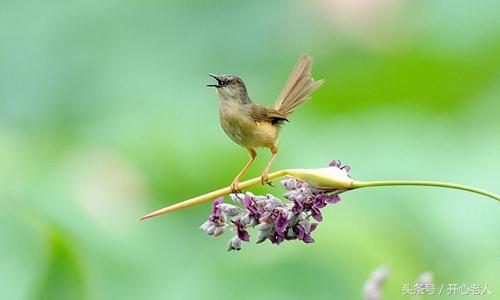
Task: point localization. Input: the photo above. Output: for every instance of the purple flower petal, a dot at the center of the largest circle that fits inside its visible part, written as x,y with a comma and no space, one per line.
316,214
332,199
299,231
275,238
306,225
319,201
346,168
298,207
281,223
243,235
308,239
241,231
334,163
251,207
216,214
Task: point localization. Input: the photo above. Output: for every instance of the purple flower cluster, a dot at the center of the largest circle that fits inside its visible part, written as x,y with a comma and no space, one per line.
216,223
274,220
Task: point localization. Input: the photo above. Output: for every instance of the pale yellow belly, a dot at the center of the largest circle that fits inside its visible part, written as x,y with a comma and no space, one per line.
265,135
248,133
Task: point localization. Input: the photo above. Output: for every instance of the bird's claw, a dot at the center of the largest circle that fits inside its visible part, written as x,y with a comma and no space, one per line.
234,187
265,180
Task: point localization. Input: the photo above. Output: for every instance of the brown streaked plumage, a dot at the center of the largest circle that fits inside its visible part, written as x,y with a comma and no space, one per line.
252,125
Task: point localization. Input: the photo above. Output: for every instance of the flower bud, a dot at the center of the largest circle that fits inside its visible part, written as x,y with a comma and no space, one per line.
234,244
332,178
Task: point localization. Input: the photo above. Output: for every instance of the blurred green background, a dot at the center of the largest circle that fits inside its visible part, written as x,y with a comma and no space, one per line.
104,117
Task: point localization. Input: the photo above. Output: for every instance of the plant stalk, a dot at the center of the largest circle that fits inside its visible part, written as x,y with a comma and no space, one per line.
363,184
211,196
318,177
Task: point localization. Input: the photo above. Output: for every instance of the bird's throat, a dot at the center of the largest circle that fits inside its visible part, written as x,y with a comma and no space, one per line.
227,97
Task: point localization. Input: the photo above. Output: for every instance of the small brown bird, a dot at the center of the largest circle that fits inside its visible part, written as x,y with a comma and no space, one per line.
252,125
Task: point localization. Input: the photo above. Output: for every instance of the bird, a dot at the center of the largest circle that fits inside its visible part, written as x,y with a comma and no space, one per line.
253,125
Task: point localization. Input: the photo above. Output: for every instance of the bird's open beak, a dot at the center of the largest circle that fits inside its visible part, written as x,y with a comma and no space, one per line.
219,82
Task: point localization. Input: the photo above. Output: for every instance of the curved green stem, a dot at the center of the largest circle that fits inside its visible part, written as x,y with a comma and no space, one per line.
361,184
338,182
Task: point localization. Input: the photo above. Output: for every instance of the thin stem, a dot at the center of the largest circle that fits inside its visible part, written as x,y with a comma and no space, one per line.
340,185
361,184
212,195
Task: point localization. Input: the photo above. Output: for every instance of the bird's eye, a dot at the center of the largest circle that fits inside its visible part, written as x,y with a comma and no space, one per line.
233,81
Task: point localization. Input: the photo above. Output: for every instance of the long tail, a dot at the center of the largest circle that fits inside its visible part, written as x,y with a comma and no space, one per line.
298,87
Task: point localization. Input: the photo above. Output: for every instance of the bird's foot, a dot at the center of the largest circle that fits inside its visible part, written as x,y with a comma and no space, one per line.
234,187
265,180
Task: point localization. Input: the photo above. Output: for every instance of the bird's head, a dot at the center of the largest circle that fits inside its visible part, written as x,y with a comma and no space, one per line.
230,87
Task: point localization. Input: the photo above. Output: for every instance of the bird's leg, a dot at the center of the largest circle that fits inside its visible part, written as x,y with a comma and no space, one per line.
236,181
263,177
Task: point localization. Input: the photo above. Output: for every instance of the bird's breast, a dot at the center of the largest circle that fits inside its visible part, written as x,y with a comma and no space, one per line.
237,123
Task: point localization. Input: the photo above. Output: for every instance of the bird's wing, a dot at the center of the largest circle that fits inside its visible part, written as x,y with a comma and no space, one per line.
265,113
298,87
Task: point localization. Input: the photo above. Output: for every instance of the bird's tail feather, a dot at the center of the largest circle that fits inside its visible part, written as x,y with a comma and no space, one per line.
298,87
